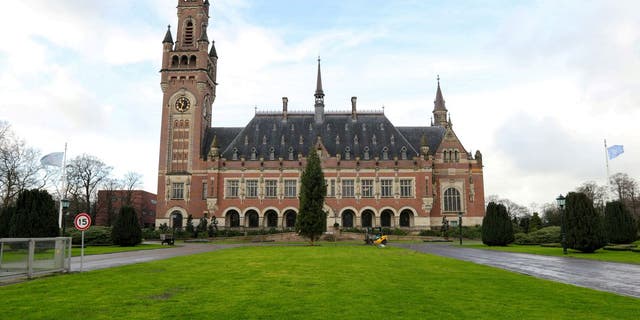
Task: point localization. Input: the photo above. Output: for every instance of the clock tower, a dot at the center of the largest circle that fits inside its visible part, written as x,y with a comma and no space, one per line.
189,89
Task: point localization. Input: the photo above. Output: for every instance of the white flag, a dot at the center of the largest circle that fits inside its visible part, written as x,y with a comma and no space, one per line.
52,159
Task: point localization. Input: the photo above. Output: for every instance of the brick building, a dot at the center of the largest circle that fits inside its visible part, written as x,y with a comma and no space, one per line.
377,174
110,202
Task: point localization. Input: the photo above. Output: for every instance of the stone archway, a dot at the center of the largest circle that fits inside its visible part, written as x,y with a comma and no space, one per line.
252,219
233,219
176,220
367,219
271,219
386,218
406,216
347,218
290,218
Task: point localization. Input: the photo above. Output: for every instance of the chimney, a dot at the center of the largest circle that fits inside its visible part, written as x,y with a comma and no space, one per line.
353,108
285,104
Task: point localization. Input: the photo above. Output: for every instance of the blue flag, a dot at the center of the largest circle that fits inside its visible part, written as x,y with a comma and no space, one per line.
52,159
615,151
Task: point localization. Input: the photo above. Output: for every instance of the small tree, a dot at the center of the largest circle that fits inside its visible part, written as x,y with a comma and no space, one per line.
190,228
619,224
497,228
312,220
34,215
126,231
535,223
584,227
202,225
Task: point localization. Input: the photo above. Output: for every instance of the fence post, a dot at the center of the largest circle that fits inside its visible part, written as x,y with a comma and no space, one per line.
32,249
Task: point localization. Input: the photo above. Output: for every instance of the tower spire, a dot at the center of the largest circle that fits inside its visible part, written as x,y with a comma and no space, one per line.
167,36
319,106
439,109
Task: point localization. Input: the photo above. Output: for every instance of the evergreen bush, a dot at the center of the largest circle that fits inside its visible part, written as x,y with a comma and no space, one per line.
94,236
126,231
34,216
619,223
497,228
584,226
542,236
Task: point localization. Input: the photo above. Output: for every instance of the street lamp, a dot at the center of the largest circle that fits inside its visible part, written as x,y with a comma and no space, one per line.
560,200
65,206
460,225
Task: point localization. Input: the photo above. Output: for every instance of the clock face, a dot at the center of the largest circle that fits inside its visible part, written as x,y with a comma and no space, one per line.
182,104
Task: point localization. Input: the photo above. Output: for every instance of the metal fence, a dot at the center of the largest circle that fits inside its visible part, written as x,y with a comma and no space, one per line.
31,257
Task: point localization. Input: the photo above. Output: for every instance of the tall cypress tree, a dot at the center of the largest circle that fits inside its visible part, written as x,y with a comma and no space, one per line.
312,220
497,229
35,215
584,226
126,232
619,223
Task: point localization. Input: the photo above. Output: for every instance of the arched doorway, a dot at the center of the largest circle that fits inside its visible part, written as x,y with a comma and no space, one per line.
386,218
253,220
367,219
176,220
347,218
271,218
405,218
233,219
290,219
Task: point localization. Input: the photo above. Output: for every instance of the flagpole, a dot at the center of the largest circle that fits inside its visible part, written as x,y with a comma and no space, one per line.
64,189
606,157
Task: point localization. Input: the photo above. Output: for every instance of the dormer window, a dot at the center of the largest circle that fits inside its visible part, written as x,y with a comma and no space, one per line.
290,153
272,153
403,153
234,156
366,153
385,153
347,153
253,153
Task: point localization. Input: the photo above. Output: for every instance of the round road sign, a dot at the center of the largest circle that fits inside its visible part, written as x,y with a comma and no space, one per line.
82,221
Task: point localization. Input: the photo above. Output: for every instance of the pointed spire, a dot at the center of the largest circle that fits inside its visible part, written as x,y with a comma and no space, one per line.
319,91
167,36
213,53
439,102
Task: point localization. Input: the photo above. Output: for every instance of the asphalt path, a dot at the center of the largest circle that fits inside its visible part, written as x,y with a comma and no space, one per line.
102,261
619,278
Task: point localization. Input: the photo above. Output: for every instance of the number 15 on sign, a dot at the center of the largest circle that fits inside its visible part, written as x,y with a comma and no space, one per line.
82,222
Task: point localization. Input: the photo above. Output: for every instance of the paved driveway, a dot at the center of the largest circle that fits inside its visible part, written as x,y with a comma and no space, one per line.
101,261
620,278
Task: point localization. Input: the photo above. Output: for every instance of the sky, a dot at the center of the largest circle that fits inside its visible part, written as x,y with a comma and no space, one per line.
536,86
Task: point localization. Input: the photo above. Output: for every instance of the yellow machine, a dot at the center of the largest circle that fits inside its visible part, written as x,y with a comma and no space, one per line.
375,236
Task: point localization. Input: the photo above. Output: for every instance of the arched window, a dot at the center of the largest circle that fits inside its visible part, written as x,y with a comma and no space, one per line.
457,156
192,61
347,219
452,200
175,60
253,220
385,218
233,218
290,218
367,219
272,219
405,218
188,34
184,60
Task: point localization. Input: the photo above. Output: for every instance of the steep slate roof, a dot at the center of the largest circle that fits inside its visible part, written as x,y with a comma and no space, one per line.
339,134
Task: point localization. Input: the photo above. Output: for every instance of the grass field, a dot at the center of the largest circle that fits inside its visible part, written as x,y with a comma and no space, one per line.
299,282
602,255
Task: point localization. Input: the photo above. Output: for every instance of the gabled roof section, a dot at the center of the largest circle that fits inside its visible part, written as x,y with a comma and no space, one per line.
267,136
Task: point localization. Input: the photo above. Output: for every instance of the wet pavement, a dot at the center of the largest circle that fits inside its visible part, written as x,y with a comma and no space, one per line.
619,278
102,261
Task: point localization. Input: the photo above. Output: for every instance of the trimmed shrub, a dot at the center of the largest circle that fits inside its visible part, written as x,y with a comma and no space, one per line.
585,231
150,233
126,231
430,233
544,235
619,223
94,236
497,229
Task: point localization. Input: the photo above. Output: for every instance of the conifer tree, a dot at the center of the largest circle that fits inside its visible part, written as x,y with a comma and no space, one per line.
584,226
619,223
311,221
497,229
126,231
535,222
34,215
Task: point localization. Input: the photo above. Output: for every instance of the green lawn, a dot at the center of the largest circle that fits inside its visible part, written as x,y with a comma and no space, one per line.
602,255
299,282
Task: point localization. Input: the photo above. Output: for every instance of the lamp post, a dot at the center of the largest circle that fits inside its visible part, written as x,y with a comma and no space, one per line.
65,206
460,225
560,200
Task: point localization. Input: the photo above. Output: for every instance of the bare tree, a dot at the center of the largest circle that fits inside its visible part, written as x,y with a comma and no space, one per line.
19,166
86,172
109,198
131,181
596,193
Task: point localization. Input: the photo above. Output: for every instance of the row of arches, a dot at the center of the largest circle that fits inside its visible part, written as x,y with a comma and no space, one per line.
368,218
270,219
184,60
